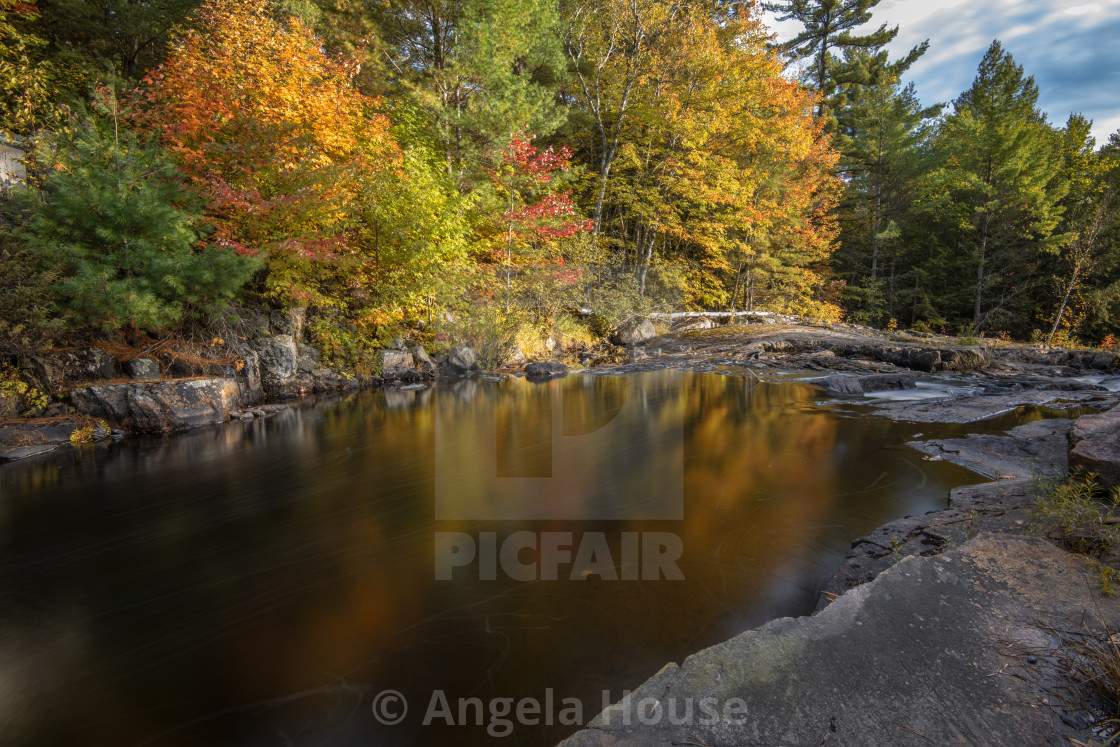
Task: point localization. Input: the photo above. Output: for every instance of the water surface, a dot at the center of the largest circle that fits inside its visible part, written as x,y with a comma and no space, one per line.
259,583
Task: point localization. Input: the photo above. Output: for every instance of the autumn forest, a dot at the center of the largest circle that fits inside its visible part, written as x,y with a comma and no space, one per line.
509,171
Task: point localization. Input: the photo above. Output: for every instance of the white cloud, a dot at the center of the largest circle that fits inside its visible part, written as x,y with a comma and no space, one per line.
1071,51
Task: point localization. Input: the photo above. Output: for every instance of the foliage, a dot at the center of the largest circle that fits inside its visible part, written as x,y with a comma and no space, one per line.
1072,508
112,219
274,135
25,74
30,398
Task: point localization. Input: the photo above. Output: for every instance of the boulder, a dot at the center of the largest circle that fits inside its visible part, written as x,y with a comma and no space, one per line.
423,362
516,357
1103,362
462,358
109,401
924,360
181,405
692,324
1095,446
278,360
142,369
398,343
545,370
873,383
965,359
392,364
634,332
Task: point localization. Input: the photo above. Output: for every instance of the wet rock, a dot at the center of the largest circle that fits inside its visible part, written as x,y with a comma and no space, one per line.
634,332
462,359
393,364
970,408
545,370
25,452
1095,446
1038,447
871,383
142,369
278,360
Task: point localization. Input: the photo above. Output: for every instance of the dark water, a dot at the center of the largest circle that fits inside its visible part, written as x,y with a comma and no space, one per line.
259,584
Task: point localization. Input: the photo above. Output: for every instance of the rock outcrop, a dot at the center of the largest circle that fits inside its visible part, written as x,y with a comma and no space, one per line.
1095,446
161,406
870,383
939,650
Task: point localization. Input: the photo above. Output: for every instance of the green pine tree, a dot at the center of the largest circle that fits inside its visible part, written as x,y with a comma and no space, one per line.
113,218
840,60
1002,182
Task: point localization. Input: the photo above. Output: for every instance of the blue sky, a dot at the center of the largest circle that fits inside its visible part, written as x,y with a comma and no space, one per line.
1071,47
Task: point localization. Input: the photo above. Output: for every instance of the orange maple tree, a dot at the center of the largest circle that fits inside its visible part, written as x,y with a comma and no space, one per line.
275,136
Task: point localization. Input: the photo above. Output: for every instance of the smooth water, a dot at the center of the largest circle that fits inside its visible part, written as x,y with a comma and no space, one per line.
260,583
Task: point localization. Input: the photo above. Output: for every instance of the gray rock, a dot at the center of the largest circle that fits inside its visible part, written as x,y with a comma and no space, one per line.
693,324
142,369
462,358
182,405
308,351
1104,362
545,370
905,660
398,343
634,332
393,364
1095,446
278,360
925,360
423,362
872,383
51,372
109,401
965,359
24,452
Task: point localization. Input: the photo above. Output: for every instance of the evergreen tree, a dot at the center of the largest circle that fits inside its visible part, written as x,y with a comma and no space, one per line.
1002,185
112,218
839,58
887,133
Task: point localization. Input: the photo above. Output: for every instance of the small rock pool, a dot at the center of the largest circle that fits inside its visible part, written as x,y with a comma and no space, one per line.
261,583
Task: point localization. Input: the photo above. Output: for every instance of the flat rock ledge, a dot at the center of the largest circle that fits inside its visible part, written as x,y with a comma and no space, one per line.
940,650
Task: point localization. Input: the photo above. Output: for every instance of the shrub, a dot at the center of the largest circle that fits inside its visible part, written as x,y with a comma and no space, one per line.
113,217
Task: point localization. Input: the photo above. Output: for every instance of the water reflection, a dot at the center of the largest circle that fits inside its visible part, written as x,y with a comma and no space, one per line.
256,584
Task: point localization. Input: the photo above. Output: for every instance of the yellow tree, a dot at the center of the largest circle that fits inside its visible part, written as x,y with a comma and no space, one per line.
722,165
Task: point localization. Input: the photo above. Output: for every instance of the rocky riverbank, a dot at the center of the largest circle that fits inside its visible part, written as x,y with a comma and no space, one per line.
946,628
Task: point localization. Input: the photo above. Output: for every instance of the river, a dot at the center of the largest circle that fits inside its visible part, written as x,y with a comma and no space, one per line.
260,583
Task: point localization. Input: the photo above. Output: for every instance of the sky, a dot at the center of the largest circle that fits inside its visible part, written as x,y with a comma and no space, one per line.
1071,47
